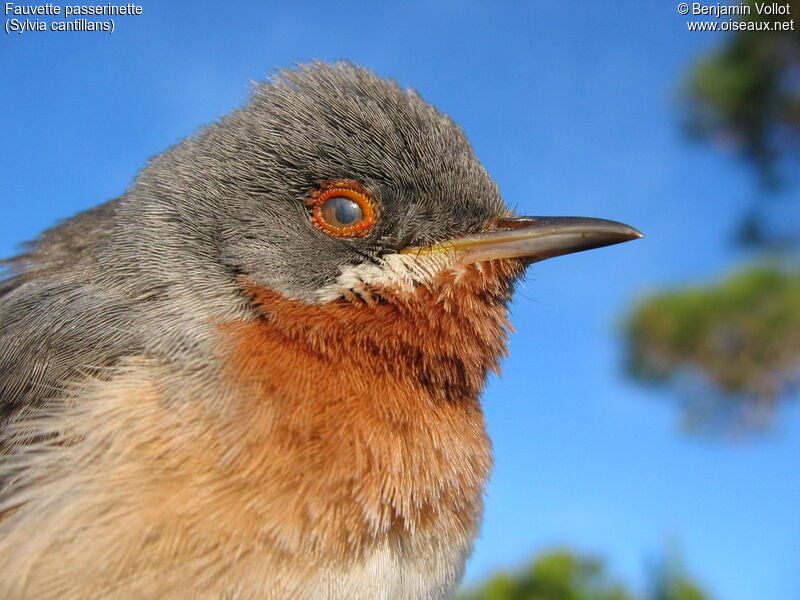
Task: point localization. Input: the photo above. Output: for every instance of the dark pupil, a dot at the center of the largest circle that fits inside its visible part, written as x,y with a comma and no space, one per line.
342,212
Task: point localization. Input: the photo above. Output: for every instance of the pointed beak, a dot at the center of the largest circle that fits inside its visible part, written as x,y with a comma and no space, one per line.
534,239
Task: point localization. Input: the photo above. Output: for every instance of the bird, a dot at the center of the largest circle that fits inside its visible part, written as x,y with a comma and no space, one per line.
257,373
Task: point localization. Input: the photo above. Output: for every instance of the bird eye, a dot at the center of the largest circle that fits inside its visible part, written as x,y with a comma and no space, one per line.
341,212
342,208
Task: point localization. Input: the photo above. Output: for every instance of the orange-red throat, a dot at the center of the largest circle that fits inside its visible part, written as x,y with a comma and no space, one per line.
372,403
362,410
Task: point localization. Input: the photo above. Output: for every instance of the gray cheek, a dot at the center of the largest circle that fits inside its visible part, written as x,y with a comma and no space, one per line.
294,261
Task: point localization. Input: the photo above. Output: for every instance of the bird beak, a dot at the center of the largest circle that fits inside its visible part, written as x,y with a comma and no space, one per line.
534,239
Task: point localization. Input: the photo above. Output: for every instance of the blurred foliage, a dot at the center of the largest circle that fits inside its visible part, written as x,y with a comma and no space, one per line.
746,94
732,349
670,582
564,575
741,338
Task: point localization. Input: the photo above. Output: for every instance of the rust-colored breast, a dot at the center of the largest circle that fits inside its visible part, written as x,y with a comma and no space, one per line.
361,419
339,453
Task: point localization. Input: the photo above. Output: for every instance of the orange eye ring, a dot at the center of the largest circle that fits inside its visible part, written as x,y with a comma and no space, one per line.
342,207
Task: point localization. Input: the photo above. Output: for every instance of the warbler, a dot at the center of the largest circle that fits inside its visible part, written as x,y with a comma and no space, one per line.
256,374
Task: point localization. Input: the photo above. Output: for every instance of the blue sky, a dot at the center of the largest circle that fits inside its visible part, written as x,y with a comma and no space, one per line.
573,108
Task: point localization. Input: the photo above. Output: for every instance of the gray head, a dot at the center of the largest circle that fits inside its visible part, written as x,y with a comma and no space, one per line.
238,193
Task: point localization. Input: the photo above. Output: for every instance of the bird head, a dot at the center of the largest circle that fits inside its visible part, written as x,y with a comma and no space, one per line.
333,183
